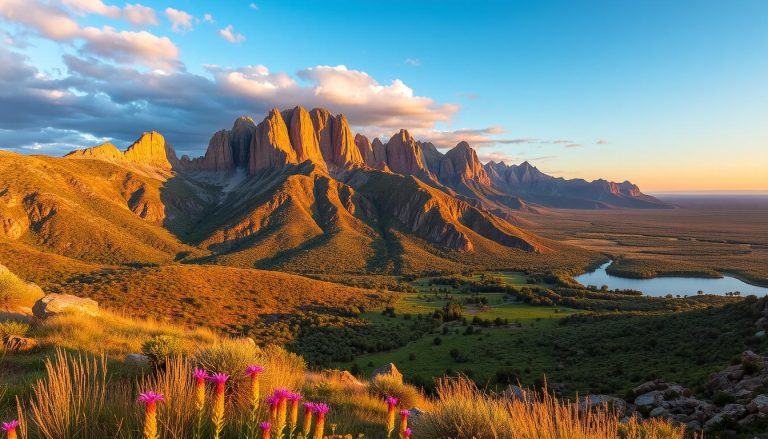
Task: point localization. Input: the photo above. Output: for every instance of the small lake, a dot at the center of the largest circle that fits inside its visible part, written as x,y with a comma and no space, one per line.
661,286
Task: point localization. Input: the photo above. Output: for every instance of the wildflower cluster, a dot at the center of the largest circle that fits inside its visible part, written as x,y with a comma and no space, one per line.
404,432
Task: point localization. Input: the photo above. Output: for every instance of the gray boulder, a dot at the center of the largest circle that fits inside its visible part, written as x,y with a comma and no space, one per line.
137,360
388,370
55,304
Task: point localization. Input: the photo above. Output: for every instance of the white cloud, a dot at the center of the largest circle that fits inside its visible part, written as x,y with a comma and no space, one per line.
131,47
208,18
602,142
56,24
254,6
136,14
413,62
229,34
92,7
180,20
139,15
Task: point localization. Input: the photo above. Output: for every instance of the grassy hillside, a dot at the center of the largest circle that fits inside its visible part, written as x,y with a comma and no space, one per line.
75,383
231,299
89,210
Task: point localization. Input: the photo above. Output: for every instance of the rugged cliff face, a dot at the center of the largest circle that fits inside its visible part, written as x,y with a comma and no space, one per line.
150,149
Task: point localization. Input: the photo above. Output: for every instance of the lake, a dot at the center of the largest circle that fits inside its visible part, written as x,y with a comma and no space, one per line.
661,286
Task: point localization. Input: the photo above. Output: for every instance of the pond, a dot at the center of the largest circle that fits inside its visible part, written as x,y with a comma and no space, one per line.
661,286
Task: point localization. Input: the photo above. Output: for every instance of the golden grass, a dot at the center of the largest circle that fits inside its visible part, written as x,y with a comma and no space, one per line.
463,411
114,335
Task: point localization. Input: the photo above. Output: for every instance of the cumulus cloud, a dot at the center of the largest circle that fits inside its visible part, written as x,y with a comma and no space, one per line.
602,142
131,47
55,23
208,18
92,7
254,6
136,14
230,35
180,20
140,15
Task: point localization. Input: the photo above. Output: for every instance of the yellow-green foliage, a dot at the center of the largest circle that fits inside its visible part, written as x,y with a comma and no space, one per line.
14,292
11,327
386,385
113,334
162,347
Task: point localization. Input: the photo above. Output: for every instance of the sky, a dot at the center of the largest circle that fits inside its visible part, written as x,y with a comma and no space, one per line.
669,95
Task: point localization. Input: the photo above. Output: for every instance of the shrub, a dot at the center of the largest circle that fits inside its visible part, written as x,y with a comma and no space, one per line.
229,356
11,327
162,347
384,385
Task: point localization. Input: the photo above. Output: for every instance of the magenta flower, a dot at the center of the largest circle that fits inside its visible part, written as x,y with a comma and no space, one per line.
282,393
292,396
405,413
253,370
321,408
9,426
391,401
265,425
200,374
407,433
309,406
219,378
273,400
151,397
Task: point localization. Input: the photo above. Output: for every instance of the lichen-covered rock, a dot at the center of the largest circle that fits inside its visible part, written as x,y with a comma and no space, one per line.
388,370
55,304
17,343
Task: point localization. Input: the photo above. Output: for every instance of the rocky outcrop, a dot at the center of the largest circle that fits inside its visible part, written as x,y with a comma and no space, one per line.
366,149
387,371
404,156
343,152
379,151
271,145
739,390
55,304
461,164
241,136
304,138
105,151
150,149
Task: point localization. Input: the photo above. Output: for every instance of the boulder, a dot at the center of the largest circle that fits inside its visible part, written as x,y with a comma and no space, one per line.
610,402
137,360
388,370
759,404
54,304
652,398
17,343
515,392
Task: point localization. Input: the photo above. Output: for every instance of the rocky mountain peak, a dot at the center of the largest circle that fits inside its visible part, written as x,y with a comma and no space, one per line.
404,155
461,163
271,144
303,137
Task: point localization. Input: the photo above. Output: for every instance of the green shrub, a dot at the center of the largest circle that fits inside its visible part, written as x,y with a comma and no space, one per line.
384,385
230,356
11,327
161,347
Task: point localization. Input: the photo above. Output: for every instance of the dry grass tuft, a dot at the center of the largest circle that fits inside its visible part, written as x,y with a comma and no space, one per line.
463,411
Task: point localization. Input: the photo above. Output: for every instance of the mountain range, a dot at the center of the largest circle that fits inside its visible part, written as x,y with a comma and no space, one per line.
297,191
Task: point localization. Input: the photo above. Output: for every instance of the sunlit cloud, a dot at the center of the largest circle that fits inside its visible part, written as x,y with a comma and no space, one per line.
230,35
208,18
180,20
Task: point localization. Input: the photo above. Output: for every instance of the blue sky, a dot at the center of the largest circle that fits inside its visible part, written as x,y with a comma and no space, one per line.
670,95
